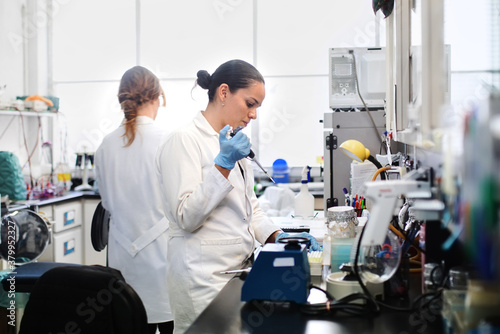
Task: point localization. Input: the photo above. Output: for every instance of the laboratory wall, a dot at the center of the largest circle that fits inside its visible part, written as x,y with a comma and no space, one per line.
287,41
89,44
11,72
475,50
11,41
24,71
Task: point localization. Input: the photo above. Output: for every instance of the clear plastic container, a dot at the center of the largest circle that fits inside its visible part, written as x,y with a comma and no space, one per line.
340,252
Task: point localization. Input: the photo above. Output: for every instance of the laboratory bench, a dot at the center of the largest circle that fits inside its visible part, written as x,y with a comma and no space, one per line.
228,314
70,196
70,217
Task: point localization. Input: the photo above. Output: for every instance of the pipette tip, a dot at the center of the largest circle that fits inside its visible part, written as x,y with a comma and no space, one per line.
269,176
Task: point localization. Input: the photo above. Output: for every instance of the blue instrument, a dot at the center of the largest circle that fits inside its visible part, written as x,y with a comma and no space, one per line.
281,272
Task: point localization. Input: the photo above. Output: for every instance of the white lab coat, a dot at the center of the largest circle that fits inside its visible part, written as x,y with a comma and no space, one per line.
138,235
214,221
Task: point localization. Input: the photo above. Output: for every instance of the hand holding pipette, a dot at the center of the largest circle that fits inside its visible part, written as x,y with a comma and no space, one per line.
251,156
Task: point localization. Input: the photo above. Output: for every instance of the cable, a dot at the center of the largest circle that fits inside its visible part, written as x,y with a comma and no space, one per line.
370,306
328,295
362,100
375,305
404,237
378,304
30,155
380,170
412,242
7,127
27,150
343,305
63,135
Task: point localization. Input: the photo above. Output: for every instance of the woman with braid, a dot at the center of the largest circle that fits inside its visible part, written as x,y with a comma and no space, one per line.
125,168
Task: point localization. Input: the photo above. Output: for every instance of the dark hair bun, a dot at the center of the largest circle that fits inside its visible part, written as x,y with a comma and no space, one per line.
204,79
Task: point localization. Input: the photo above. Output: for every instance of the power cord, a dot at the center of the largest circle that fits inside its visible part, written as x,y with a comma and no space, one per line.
361,98
344,305
369,305
377,303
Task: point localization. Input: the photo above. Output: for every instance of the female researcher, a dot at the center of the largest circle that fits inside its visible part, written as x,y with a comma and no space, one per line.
125,167
208,186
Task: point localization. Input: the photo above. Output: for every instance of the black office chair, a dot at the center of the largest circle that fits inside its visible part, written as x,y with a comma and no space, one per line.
83,299
100,228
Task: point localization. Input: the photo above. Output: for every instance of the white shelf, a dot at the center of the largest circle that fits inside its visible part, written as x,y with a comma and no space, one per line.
27,113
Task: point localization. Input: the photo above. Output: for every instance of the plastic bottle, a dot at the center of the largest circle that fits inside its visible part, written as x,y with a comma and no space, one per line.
63,183
304,200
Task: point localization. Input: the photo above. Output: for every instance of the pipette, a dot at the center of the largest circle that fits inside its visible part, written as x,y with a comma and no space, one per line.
251,156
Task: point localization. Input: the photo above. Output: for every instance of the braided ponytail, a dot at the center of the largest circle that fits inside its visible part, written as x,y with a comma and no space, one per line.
137,87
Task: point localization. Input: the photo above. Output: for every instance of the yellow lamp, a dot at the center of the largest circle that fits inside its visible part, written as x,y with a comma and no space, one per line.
357,152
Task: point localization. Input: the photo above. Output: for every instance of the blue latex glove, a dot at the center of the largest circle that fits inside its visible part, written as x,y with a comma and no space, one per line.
313,244
232,149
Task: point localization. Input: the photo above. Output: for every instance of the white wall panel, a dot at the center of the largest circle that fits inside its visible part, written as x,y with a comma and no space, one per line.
178,38
468,30
289,120
293,37
11,44
90,110
182,104
93,40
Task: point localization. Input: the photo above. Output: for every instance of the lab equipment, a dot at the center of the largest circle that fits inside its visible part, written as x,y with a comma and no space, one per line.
296,229
24,237
280,272
235,271
355,150
310,240
341,284
342,224
251,155
315,259
339,127
357,78
87,160
379,250
341,249
304,200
